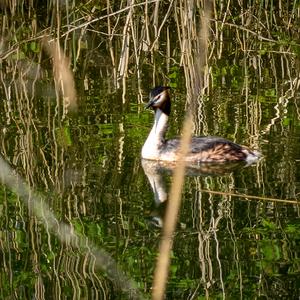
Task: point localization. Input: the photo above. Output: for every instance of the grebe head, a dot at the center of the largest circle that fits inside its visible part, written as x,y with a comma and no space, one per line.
160,98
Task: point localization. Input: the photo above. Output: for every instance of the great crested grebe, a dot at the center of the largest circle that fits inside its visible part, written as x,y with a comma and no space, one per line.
202,149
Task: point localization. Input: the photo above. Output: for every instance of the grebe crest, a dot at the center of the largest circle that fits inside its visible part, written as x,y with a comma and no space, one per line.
202,149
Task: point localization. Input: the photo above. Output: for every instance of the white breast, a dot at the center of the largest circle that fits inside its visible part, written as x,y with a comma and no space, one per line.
155,141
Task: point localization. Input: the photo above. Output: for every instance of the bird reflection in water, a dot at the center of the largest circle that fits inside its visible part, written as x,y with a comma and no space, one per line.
155,171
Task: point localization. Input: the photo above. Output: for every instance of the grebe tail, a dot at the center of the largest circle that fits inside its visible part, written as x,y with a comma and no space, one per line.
202,149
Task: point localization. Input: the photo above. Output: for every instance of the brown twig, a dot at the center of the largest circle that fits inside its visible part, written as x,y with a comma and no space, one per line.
162,267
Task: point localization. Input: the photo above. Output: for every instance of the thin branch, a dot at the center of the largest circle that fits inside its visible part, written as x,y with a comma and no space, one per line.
108,15
259,198
162,267
64,232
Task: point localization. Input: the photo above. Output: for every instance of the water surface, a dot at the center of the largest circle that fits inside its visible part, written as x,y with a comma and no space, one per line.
237,235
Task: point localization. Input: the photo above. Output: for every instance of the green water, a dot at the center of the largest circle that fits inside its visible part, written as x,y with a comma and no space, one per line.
91,174
239,241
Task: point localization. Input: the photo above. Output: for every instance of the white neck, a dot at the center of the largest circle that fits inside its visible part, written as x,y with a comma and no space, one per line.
156,136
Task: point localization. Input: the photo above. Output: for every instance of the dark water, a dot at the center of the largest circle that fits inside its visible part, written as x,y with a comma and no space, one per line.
87,168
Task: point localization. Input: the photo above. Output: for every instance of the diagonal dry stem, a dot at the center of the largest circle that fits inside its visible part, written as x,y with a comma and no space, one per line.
259,198
162,267
64,232
194,65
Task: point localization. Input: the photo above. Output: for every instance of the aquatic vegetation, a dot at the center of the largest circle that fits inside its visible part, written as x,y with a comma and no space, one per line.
73,78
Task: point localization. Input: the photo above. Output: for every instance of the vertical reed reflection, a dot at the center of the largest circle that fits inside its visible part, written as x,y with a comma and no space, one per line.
65,233
131,44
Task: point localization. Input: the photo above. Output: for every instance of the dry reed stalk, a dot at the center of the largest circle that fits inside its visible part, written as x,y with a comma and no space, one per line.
258,198
110,45
162,267
64,80
195,61
157,30
147,25
193,29
124,58
137,49
219,29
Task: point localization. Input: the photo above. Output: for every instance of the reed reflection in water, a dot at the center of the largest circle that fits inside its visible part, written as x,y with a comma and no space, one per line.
87,165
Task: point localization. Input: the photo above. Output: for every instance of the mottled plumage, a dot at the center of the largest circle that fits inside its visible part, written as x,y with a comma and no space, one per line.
202,149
